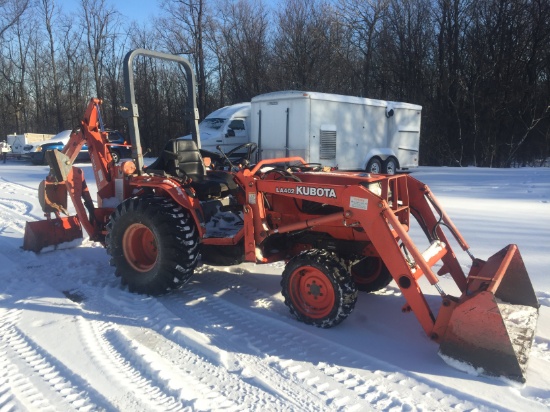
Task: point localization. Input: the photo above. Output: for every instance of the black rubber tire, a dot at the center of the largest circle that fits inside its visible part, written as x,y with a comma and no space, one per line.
370,274
324,271
374,166
174,238
390,166
115,155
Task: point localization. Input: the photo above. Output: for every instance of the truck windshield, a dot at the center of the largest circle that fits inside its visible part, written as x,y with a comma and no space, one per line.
212,123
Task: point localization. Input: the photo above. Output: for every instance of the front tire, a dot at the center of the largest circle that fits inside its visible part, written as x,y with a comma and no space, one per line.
153,243
318,289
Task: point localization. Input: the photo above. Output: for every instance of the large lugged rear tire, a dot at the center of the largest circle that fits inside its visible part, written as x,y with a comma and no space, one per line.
318,288
153,243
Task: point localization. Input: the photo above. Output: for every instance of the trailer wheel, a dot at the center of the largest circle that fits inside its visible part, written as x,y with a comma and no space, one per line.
318,289
374,166
370,274
153,243
390,166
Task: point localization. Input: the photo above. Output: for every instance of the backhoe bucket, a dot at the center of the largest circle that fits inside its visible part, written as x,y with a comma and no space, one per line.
52,232
492,326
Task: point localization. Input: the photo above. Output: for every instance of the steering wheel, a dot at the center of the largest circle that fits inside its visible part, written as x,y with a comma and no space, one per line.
306,167
250,147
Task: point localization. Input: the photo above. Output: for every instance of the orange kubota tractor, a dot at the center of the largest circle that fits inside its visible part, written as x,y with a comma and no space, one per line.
340,233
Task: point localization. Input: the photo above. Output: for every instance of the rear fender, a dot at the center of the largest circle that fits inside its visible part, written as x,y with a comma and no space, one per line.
184,196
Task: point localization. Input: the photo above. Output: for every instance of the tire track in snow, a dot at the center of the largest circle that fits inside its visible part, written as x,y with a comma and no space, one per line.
34,378
117,363
218,386
366,381
281,347
17,189
12,212
16,210
66,385
229,279
15,388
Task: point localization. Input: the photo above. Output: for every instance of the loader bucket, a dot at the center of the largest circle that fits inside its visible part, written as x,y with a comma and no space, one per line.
493,324
51,232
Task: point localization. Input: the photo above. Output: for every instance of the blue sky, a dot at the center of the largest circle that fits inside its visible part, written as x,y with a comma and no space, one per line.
139,10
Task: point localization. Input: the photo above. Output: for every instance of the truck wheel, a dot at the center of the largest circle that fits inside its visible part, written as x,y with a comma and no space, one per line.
318,289
390,166
370,274
115,155
374,166
153,243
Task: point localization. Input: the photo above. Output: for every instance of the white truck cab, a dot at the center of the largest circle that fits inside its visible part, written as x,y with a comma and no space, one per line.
227,127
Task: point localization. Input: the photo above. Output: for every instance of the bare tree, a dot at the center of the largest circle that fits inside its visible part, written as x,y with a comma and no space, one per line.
75,68
183,31
10,12
100,22
300,46
244,49
364,19
48,10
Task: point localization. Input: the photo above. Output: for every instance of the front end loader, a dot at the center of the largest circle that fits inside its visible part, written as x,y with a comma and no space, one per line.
339,232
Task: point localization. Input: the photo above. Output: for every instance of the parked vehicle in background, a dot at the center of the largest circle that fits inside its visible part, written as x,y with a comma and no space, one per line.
36,154
351,133
347,132
227,127
21,144
118,147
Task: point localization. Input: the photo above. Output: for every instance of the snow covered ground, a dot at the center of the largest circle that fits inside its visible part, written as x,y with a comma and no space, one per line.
72,339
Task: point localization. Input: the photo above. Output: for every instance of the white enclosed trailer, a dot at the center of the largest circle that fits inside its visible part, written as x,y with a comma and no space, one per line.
350,133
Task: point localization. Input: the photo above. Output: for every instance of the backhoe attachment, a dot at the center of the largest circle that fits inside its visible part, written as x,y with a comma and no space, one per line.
65,180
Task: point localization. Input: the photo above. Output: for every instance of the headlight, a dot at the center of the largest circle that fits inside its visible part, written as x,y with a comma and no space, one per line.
39,149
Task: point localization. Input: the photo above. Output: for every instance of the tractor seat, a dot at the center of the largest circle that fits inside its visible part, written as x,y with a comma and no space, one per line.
181,158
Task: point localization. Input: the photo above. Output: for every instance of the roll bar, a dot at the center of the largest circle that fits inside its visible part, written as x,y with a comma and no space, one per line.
130,111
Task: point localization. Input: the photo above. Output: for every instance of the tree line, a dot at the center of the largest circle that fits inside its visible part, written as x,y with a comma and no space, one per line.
479,68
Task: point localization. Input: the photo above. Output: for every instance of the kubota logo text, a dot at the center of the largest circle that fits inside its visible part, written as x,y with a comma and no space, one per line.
315,191
308,191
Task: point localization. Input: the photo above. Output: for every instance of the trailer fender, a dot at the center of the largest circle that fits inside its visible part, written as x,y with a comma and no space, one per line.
382,153
379,159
